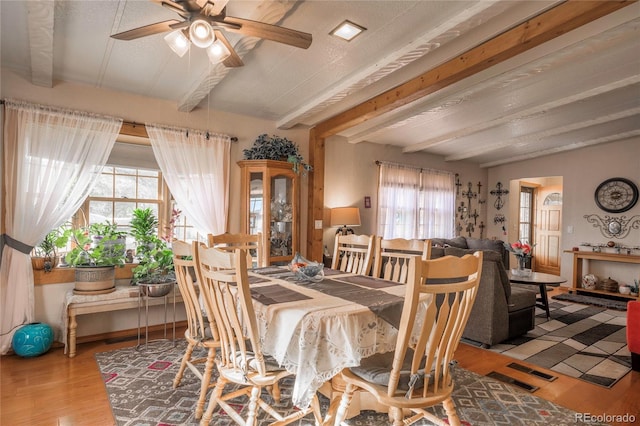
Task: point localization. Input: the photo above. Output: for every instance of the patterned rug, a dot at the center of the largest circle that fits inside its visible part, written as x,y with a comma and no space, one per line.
618,305
582,341
139,385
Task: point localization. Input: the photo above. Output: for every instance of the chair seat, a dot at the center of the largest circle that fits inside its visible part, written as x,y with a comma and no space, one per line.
375,369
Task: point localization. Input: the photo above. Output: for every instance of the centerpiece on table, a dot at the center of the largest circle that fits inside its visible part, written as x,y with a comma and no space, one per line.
523,253
155,270
97,250
306,270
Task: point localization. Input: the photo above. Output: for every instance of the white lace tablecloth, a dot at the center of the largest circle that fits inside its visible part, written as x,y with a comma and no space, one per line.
318,336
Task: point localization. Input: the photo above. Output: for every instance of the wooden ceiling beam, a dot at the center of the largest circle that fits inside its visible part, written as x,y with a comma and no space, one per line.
544,27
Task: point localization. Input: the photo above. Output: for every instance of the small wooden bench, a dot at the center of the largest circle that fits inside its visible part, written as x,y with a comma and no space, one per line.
124,297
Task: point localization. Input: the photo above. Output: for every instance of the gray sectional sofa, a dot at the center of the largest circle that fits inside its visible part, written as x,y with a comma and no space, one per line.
500,311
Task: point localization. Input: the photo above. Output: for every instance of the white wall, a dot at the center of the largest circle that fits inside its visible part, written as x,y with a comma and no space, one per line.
582,171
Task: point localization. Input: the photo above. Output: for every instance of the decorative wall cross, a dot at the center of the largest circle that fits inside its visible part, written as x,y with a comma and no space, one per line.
469,193
458,184
463,211
475,216
481,226
470,229
499,192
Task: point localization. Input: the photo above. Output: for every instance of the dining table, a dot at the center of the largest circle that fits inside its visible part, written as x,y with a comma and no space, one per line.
316,329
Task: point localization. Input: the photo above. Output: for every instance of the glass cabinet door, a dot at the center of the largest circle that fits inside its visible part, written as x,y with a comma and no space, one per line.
281,227
256,202
269,204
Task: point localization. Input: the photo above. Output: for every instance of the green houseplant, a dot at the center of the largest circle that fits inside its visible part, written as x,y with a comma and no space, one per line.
99,244
155,259
276,148
97,250
45,254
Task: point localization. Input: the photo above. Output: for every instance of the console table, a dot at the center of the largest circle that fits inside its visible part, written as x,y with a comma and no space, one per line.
580,256
124,297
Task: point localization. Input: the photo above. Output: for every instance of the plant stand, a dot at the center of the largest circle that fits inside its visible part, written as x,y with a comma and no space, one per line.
154,290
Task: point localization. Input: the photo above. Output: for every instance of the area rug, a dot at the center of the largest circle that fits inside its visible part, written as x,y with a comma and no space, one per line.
139,386
582,341
618,305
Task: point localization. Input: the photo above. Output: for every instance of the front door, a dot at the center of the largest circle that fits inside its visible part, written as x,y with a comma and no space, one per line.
549,230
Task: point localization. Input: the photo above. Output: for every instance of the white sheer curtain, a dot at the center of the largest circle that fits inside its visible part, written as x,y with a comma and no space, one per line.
414,202
195,165
51,159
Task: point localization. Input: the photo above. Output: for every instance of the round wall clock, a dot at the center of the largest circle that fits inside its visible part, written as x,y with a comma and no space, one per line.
616,195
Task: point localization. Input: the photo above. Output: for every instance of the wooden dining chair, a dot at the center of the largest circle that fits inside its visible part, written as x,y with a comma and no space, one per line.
353,253
418,373
201,331
391,257
241,362
251,242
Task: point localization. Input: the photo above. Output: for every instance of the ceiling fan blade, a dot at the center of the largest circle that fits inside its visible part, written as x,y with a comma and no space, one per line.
269,32
233,60
212,7
147,30
176,7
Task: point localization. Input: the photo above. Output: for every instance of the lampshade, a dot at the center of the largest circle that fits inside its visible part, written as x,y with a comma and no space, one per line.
345,216
178,42
217,52
201,33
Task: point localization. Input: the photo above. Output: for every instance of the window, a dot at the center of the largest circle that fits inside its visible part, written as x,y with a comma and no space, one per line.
120,190
525,225
183,228
415,203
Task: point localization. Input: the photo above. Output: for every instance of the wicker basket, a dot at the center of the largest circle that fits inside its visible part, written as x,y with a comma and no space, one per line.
610,285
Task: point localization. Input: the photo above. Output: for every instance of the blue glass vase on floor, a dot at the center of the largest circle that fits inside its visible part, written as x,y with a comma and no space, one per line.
32,339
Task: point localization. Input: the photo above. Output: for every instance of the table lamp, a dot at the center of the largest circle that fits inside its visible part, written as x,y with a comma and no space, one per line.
345,217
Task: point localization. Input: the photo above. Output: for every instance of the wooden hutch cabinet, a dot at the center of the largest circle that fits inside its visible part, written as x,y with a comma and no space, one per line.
270,205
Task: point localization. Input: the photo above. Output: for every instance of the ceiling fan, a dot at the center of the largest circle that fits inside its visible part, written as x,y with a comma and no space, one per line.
203,23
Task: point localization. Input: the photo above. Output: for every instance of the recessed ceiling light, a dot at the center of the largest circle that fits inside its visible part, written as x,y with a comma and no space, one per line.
347,30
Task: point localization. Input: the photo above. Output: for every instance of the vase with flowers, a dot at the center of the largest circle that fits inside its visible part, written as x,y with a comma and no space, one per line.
523,253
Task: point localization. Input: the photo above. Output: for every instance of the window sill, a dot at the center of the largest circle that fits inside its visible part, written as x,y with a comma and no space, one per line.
67,275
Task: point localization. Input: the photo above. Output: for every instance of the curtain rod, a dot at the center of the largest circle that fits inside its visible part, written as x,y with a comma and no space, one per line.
409,166
131,128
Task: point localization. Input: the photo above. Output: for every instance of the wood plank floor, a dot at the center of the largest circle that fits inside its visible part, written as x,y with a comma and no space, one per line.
55,390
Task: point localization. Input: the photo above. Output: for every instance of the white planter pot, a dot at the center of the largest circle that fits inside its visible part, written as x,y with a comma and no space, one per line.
95,280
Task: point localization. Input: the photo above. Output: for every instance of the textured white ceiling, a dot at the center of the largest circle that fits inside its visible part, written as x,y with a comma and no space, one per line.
579,89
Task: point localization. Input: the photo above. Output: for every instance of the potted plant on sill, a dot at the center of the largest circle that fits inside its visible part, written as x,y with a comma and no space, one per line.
155,259
97,250
277,148
45,254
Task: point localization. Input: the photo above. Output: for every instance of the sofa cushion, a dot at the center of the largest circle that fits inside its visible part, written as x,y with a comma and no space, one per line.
460,242
486,244
488,257
521,299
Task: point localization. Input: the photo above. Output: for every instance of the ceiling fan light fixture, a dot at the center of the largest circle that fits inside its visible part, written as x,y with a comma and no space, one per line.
217,52
201,33
178,42
347,30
